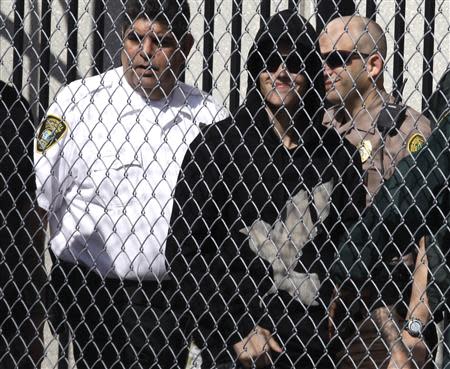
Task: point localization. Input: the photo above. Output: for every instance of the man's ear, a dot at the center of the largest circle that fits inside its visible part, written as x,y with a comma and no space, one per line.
375,65
187,43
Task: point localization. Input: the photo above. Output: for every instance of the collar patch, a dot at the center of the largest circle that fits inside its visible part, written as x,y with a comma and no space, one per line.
51,131
415,143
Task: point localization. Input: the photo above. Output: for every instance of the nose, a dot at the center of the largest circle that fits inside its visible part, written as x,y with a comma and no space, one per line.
147,47
327,71
281,70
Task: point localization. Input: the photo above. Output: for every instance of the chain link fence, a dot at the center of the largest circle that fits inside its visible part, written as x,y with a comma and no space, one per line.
136,233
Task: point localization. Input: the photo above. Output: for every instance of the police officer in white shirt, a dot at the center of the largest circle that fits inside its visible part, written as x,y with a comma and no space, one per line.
107,160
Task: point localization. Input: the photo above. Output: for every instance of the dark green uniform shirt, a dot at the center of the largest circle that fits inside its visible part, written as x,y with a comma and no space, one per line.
414,202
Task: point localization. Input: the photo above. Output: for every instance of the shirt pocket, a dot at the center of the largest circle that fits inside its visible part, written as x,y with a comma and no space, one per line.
115,179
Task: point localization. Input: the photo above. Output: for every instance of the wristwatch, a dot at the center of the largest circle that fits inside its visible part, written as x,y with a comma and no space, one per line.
414,327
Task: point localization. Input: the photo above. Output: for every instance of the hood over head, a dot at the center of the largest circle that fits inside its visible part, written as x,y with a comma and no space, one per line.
288,26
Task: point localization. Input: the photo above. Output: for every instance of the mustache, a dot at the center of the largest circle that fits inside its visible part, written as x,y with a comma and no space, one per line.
148,67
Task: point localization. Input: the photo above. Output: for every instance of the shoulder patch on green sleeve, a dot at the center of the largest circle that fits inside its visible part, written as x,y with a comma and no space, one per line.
415,142
50,132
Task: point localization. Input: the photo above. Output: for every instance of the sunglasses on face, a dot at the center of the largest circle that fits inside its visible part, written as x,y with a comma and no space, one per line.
339,58
293,62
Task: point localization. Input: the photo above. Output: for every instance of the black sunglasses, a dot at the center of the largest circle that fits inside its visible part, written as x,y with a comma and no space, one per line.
339,58
293,62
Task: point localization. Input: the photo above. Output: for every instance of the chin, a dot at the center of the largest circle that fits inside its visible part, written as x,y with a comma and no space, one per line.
278,106
275,105
149,88
155,94
281,101
333,98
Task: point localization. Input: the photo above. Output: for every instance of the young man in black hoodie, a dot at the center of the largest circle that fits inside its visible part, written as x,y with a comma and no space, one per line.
260,201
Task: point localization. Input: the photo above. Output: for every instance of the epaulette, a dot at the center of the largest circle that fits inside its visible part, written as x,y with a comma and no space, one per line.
391,118
392,115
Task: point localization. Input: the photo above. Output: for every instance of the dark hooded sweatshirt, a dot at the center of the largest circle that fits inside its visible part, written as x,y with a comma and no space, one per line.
254,223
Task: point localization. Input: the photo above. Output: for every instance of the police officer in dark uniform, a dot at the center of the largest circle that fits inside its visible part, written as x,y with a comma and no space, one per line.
415,203
439,111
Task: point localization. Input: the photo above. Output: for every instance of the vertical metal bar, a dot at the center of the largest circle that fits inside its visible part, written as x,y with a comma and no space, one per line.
330,9
371,10
293,4
44,56
19,11
236,34
265,12
347,7
208,46
428,51
399,46
44,87
99,36
72,41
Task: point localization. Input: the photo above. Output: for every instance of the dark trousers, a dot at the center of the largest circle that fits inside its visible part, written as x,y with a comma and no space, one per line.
118,325
20,325
22,312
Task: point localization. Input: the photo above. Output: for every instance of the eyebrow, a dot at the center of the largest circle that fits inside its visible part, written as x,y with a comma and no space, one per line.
159,35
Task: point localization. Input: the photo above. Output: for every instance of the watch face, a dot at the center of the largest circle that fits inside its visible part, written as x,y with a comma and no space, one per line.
414,327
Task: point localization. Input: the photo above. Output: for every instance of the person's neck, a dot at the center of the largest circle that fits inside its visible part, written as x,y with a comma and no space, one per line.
283,125
366,106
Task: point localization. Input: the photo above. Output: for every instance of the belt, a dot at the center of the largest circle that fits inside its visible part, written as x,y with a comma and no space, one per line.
139,292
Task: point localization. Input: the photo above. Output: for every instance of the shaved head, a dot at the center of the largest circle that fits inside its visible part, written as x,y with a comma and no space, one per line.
365,34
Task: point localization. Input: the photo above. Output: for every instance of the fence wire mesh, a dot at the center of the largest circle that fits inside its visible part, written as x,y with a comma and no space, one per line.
224,184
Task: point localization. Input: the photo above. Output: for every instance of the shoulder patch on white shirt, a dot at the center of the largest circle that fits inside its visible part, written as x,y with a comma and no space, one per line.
50,132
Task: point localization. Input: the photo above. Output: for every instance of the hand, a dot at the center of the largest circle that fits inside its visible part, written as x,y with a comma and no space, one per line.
417,347
399,363
418,307
407,353
411,352
256,347
400,358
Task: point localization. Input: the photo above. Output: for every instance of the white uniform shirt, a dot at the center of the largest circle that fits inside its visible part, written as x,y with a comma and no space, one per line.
107,182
